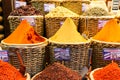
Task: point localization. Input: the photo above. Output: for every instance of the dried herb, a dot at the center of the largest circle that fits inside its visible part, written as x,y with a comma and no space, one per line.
95,11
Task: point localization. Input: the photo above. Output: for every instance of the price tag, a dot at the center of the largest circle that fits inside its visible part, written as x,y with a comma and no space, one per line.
61,23
84,6
4,55
31,20
115,6
111,54
48,7
20,3
101,24
62,54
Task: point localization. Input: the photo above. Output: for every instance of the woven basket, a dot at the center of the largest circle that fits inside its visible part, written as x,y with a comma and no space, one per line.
78,54
33,55
40,4
91,24
36,76
14,21
52,24
97,54
73,5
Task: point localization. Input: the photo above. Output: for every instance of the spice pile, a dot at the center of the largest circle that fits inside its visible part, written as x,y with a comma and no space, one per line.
95,11
8,72
24,34
57,71
61,12
109,72
110,32
27,10
69,36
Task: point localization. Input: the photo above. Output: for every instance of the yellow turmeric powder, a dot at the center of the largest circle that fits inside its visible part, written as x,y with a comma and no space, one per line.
24,34
67,33
110,32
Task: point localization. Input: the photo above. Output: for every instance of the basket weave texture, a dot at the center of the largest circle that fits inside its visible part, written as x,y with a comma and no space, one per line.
33,56
14,21
54,23
91,23
78,55
97,54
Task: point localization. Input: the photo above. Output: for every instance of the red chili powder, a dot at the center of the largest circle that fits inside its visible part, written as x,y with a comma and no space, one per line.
109,72
9,72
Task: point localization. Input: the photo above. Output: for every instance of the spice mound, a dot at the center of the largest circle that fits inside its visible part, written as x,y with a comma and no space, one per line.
57,71
110,32
27,10
24,34
95,11
60,11
8,72
68,33
109,72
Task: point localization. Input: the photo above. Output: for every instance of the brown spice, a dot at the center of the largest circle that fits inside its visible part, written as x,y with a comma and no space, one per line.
57,71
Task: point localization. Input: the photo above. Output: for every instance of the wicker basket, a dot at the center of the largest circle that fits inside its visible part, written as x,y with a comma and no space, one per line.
77,54
52,24
73,5
40,5
33,55
97,54
14,21
36,76
91,24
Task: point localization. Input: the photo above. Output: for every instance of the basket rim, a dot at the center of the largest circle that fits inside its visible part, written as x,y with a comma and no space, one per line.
27,75
62,16
10,16
104,41
21,45
91,73
46,0
36,75
50,41
109,16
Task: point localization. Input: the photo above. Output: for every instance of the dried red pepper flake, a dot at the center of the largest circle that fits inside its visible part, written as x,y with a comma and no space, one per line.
57,71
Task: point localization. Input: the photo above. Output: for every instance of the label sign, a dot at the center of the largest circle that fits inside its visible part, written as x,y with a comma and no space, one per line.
20,3
101,24
31,20
4,55
62,54
84,7
61,23
115,5
48,7
111,54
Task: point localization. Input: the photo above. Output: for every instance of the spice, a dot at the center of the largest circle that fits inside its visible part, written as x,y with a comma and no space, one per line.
109,72
57,71
68,33
24,34
8,72
60,11
110,32
27,10
95,11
